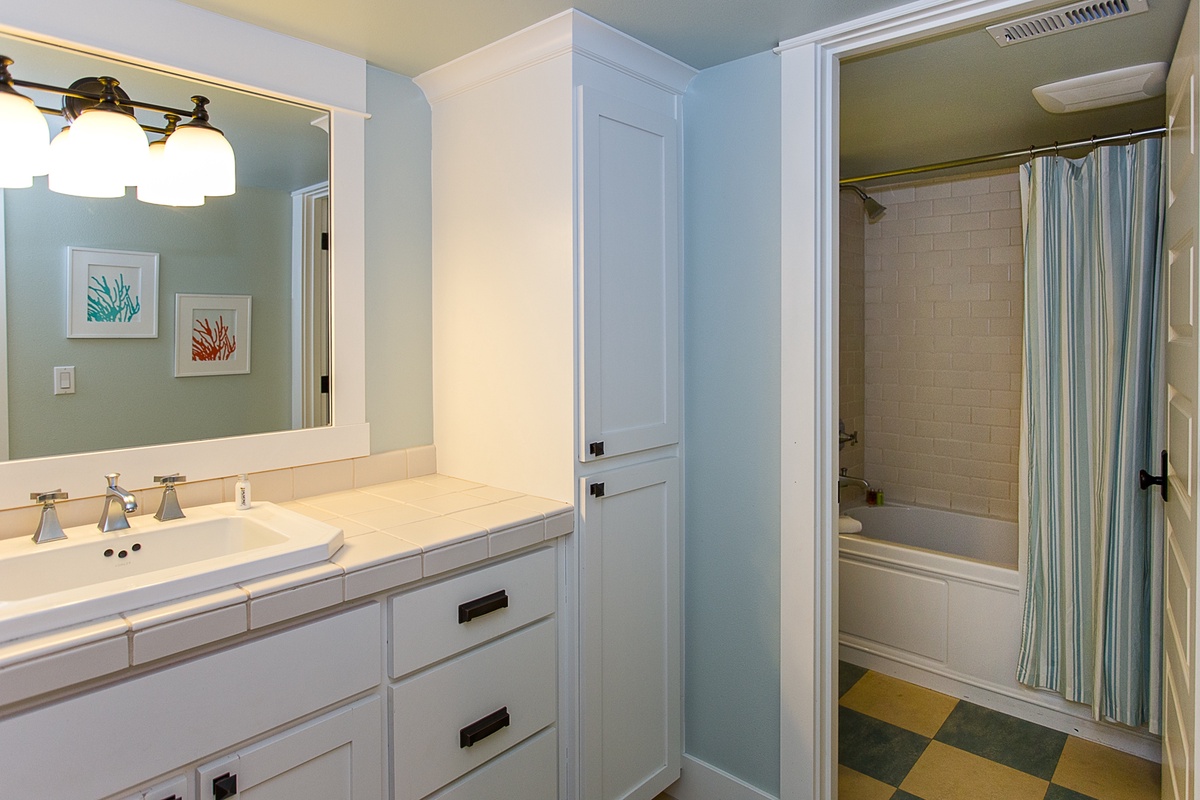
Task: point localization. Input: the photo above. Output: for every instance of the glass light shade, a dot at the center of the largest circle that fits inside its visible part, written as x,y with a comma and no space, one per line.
205,159
110,143
163,184
69,176
26,138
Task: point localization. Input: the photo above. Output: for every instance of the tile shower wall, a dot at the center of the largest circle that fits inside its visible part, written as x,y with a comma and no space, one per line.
942,357
852,394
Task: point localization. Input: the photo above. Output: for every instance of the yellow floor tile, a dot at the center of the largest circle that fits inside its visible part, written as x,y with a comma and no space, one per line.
1107,774
854,785
913,708
947,773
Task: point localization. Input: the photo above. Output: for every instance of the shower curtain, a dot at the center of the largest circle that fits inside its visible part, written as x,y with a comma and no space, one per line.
1090,421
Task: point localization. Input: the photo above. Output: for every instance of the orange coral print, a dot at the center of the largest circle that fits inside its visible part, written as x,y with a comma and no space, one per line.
212,341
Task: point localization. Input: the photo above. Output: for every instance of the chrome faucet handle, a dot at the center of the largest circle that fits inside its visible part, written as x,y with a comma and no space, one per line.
49,529
168,508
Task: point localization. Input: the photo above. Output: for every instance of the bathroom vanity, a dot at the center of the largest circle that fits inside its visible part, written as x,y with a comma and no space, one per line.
441,652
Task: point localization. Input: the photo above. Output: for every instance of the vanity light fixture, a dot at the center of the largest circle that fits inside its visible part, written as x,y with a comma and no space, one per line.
103,148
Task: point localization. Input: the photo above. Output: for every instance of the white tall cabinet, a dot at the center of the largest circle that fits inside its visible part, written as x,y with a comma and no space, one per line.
556,355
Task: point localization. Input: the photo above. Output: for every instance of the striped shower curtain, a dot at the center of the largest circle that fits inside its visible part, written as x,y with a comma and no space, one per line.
1093,378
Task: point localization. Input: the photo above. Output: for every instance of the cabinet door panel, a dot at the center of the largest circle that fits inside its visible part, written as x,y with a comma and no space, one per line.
629,277
335,757
630,632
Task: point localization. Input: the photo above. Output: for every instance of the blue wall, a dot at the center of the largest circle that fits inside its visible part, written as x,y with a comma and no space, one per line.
731,396
399,256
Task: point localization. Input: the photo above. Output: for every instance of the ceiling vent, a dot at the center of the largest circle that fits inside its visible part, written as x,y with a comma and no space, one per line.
1064,18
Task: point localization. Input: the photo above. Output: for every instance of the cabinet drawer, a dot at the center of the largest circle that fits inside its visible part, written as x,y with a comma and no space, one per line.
431,711
426,623
528,772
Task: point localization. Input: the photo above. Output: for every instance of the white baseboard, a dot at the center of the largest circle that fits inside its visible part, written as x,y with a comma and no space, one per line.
701,781
1042,708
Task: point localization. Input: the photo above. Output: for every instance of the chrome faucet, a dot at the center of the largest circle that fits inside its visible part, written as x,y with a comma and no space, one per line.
126,504
49,529
169,507
849,480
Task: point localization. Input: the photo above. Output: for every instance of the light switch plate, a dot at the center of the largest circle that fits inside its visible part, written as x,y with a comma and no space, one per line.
64,380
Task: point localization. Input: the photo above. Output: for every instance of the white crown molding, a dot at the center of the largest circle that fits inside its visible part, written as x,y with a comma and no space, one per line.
906,23
220,49
568,32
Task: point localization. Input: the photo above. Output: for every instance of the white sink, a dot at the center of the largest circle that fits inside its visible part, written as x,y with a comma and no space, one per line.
90,574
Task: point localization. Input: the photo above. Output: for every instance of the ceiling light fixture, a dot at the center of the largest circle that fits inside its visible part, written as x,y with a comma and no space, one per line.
103,148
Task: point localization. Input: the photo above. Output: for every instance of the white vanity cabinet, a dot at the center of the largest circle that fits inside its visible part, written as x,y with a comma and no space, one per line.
100,743
556,214
476,662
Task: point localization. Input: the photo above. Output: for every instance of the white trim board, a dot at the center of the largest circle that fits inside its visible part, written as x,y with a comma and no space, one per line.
809,364
702,781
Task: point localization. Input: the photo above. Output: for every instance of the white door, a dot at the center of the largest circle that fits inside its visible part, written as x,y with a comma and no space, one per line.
1181,300
629,277
630,632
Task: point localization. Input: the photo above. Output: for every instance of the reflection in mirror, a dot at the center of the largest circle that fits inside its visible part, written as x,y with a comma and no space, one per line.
263,242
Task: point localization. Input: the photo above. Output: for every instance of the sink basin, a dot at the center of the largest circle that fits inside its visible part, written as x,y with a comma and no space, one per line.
91,574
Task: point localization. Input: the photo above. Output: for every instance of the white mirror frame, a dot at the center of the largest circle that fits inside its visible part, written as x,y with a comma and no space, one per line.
187,41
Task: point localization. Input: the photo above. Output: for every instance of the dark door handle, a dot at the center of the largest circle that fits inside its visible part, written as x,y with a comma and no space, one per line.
478,731
224,786
484,605
1146,480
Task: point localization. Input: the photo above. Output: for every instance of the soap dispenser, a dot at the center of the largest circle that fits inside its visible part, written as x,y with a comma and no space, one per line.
241,493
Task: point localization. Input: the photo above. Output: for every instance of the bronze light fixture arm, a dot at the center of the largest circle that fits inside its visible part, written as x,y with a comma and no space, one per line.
97,98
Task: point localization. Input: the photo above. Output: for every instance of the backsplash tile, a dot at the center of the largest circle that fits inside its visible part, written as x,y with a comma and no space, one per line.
942,341
276,486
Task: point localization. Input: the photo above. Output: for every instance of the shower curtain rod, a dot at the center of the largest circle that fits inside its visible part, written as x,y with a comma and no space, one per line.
1030,152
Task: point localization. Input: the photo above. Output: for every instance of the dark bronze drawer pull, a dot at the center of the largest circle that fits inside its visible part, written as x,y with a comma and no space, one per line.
484,605
478,731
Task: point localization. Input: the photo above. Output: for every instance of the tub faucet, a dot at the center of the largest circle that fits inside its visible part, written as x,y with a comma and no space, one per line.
126,503
845,480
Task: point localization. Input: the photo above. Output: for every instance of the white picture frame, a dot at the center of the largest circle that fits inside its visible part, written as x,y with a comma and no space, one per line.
212,334
111,294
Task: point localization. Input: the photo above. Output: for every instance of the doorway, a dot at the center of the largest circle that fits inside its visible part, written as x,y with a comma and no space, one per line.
810,81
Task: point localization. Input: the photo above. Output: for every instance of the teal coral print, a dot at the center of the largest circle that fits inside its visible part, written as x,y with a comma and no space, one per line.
111,301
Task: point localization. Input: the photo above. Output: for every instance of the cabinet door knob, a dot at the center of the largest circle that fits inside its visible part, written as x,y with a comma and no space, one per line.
597,489
224,786
596,448
478,731
482,606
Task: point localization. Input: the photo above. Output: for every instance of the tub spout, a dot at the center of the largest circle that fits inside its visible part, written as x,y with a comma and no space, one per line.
845,480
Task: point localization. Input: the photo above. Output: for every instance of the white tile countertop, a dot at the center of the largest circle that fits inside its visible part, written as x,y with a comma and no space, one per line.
395,534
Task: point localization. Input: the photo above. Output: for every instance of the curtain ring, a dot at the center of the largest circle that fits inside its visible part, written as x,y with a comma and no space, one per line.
1056,149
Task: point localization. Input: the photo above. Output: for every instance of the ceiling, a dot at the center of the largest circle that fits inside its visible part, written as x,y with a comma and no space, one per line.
956,96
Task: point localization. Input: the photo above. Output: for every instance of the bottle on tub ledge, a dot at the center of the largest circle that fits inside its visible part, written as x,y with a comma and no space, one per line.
874,497
241,493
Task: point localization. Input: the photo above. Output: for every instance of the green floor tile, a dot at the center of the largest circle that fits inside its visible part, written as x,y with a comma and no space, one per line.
1056,792
876,748
848,675
998,737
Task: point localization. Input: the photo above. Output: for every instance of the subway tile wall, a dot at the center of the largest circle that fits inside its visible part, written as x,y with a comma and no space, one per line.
851,387
942,307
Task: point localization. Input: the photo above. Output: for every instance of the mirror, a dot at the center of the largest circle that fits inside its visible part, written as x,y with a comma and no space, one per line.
243,245
254,63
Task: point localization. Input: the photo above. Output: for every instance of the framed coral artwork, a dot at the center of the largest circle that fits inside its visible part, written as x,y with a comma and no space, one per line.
212,334
111,294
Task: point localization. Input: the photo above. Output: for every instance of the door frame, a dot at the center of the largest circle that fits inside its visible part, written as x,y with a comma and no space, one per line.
809,367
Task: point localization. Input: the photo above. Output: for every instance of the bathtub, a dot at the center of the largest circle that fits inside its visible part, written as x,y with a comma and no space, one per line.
932,590
935,598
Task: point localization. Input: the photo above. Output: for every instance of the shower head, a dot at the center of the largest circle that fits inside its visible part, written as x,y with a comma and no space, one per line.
872,206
